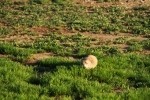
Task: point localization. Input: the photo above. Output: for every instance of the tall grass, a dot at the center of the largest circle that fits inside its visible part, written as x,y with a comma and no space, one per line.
17,53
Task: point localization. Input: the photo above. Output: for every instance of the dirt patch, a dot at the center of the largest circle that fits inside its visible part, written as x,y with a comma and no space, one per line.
18,38
146,52
33,34
104,39
39,30
63,31
2,56
118,89
99,36
2,24
121,47
34,58
125,3
111,37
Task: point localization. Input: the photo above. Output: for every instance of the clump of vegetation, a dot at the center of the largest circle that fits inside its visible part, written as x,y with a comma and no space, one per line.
40,1
120,40
61,1
146,44
135,47
15,52
4,31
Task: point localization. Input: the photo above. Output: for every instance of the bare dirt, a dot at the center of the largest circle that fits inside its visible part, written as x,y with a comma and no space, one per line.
39,30
34,58
19,38
129,4
2,56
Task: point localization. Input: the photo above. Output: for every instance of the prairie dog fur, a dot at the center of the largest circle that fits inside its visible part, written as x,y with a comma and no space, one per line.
90,62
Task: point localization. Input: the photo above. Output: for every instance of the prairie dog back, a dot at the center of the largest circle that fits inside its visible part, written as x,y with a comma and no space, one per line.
90,62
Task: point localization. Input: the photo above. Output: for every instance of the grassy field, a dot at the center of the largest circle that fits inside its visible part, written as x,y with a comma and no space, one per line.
42,43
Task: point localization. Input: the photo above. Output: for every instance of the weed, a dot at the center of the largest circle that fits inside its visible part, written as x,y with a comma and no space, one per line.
135,47
4,31
146,44
119,40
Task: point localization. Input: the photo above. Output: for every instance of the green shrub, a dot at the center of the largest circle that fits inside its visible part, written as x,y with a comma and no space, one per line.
4,31
135,47
120,40
146,44
17,53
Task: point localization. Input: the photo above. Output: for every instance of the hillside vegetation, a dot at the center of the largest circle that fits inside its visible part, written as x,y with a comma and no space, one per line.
42,43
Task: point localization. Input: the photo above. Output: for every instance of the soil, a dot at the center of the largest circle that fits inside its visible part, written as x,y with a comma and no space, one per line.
2,56
129,4
34,58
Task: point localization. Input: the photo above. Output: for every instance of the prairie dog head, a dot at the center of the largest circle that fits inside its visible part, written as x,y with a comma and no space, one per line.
89,62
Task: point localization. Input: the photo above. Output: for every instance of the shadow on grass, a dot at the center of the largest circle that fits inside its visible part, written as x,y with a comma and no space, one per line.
138,82
50,66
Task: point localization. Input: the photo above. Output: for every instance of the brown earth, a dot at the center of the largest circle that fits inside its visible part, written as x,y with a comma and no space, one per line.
34,58
2,56
129,4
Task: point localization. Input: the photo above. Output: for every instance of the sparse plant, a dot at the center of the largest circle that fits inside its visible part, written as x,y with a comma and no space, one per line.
146,44
4,31
135,47
61,1
120,40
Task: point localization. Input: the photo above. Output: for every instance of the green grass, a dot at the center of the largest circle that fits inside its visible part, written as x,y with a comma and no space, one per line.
118,75
128,74
16,53
99,19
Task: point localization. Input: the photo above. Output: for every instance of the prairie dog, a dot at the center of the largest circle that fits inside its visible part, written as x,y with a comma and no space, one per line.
90,62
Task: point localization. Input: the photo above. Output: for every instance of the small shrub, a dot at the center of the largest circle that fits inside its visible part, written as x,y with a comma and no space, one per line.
132,42
146,44
17,53
4,31
112,51
135,47
120,40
